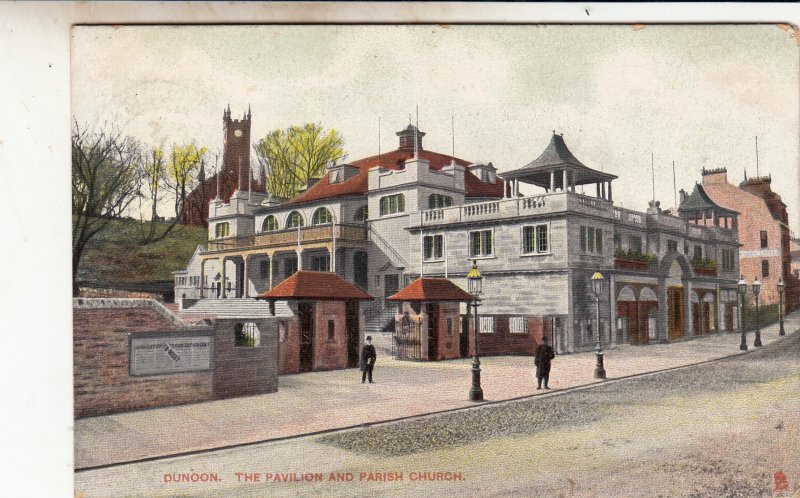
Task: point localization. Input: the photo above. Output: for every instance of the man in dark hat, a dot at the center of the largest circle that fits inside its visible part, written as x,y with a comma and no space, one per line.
544,353
368,357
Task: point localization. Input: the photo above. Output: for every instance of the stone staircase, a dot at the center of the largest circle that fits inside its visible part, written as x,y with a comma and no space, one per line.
380,325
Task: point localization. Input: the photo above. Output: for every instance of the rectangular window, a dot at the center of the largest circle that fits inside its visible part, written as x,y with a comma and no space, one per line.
433,247
542,241
331,330
528,240
264,269
583,239
480,243
591,240
598,235
486,324
635,244
222,230
392,204
449,326
727,259
698,252
377,280
518,325
319,262
763,238
535,239
765,268
672,245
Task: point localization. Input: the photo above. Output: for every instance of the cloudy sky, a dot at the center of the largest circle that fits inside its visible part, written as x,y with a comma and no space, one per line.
696,95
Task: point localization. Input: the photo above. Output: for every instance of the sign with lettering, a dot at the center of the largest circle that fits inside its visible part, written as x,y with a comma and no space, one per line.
170,354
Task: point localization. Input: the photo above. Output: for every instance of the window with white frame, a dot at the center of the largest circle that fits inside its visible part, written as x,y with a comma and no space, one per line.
518,325
439,201
480,243
392,204
321,217
486,324
222,230
535,239
432,247
270,224
591,240
295,220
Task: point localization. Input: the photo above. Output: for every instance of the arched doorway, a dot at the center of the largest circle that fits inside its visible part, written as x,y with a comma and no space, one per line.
627,316
648,313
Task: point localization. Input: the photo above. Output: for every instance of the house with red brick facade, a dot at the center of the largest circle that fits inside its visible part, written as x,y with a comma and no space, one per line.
764,235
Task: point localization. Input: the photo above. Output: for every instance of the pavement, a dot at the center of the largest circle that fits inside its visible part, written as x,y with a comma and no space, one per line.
323,401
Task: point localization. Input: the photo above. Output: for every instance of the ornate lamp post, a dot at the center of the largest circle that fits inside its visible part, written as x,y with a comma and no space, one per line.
598,282
780,305
743,294
475,284
756,291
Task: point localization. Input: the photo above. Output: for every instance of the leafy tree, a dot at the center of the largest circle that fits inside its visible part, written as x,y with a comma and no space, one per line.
106,178
292,157
182,172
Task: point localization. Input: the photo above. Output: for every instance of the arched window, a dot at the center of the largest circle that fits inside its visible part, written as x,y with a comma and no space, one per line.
222,230
295,220
321,217
393,204
270,224
439,201
362,214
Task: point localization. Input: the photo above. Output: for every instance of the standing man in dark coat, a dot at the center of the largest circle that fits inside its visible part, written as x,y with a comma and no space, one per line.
368,357
544,353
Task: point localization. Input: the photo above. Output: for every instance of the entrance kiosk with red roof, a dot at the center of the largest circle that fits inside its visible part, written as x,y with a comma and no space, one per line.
326,331
428,326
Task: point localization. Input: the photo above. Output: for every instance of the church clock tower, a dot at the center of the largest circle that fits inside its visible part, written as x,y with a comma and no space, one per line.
236,154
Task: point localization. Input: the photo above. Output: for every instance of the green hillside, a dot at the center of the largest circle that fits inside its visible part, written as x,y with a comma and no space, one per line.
118,256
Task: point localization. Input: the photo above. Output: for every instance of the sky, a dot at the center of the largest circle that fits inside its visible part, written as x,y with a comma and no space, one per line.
697,95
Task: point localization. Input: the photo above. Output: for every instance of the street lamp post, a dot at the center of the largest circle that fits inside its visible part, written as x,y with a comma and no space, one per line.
475,283
780,306
597,289
743,295
756,291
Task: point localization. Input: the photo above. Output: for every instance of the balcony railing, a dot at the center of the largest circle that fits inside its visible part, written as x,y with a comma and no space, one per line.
510,208
290,236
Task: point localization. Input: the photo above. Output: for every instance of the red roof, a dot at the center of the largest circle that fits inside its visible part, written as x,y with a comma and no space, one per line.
394,160
432,289
315,285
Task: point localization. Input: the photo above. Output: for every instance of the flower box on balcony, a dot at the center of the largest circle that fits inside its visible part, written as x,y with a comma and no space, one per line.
631,264
705,270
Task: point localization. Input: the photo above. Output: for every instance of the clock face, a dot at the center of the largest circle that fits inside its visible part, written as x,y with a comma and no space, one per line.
237,133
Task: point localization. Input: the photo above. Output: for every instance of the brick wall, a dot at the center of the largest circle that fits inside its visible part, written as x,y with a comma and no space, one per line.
101,377
502,341
243,371
754,217
330,354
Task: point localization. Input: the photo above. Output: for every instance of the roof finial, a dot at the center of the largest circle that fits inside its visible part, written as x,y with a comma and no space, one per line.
416,137
554,132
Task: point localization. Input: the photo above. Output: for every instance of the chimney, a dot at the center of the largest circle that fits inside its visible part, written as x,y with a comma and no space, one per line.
683,196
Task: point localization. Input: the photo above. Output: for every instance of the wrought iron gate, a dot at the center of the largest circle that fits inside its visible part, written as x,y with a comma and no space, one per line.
408,340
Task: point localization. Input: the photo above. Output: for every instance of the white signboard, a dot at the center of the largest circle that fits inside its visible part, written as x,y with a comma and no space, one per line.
170,354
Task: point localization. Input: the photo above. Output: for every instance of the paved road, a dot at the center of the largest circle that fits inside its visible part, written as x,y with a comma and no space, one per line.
718,429
319,401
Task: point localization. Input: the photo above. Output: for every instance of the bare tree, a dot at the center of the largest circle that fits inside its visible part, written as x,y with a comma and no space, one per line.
106,178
